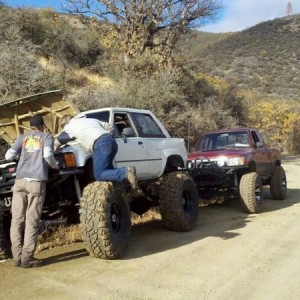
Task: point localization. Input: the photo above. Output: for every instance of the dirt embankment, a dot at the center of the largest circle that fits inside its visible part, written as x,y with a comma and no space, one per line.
229,255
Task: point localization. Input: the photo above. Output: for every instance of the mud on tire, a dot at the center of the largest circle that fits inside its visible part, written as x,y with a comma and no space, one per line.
105,220
278,185
5,251
251,193
178,202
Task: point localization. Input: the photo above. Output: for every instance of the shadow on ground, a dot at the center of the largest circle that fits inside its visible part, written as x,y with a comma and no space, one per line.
66,256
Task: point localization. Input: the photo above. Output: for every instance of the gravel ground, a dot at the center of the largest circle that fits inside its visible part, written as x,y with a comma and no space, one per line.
229,255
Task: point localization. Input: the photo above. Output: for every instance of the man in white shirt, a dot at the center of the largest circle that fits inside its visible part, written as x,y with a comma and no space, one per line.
96,137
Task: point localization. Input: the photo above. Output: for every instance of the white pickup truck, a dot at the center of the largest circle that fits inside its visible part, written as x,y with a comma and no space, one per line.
160,161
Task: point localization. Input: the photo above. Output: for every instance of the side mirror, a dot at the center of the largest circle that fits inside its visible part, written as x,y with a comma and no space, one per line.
127,132
259,144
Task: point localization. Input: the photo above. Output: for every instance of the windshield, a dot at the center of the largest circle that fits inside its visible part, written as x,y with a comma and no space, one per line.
223,140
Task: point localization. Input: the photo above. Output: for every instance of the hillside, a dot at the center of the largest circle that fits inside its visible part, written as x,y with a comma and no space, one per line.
215,81
264,57
61,51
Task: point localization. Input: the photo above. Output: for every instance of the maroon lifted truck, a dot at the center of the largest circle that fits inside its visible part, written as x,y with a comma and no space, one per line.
236,163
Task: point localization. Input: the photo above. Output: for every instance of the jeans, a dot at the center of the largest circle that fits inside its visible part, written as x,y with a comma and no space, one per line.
105,150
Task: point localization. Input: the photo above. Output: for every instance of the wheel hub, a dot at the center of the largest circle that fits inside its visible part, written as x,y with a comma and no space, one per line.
186,200
115,217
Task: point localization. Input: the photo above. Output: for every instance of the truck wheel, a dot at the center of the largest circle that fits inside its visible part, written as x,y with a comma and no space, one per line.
251,192
5,251
278,185
105,220
178,202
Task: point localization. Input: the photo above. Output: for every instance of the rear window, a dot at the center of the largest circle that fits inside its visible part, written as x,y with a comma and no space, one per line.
102,116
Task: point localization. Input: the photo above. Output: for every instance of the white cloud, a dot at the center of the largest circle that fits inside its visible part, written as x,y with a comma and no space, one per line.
241,14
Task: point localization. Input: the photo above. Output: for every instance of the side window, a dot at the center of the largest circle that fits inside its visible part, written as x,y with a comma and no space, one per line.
146,126
121,121
256,137
260,138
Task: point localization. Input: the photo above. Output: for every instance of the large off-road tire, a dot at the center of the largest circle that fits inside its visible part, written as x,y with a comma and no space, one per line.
278,185
5,251
251,192
178,201
105,220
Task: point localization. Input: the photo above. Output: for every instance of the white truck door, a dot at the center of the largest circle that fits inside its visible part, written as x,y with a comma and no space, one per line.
141,150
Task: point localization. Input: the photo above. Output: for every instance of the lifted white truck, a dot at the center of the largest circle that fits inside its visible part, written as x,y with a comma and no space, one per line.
105,207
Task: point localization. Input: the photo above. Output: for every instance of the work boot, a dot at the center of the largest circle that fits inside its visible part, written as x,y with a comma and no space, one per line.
131,177
32,263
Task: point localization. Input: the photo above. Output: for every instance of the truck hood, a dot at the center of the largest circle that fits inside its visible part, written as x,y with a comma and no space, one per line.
15,115
211,154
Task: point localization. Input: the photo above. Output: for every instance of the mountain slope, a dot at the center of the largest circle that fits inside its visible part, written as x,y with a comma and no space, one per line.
265,57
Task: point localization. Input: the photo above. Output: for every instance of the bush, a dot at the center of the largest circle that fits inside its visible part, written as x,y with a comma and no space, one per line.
21,74
278,121
58,36
293,139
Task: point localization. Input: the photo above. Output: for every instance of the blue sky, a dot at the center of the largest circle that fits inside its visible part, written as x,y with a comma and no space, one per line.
236,15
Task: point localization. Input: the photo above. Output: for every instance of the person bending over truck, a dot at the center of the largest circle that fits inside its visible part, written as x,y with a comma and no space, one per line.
35,152
97,137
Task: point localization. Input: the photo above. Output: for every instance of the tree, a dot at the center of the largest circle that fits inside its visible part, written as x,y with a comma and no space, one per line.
143,25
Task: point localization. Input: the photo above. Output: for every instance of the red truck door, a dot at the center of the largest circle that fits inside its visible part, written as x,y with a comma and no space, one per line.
260,154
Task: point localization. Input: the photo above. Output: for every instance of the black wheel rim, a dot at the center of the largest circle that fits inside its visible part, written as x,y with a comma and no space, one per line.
283,184
186,200
115,217
258,194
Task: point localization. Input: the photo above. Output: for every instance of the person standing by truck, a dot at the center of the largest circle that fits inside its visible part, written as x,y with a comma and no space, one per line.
35,152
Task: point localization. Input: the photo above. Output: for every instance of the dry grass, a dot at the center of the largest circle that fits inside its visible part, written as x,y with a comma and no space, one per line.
94,78
69,234
59,236
152,214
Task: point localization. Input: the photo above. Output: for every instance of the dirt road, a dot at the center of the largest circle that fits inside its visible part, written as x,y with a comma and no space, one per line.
229,255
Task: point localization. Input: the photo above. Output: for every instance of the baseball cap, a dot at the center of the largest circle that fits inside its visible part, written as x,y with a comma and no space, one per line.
36,121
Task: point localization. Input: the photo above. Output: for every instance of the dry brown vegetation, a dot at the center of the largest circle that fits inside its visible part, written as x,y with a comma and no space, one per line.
263,57
215,80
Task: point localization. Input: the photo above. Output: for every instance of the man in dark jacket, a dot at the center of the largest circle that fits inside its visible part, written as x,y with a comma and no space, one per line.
35,152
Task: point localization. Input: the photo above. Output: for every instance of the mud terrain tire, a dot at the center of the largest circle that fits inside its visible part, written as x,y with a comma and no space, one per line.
105,220
278,185
5,251
251,193
178,202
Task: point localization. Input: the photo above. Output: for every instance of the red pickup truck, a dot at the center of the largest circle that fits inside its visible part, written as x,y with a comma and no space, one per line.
236,163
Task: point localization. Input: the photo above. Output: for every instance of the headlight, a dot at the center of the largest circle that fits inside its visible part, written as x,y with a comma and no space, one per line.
69,160
221,161
190,164
235,161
